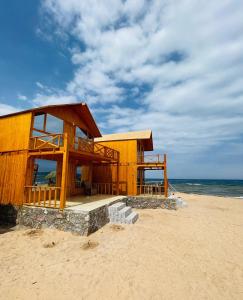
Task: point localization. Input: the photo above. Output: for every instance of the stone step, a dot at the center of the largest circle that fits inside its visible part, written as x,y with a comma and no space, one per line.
123,213
115,208
131,218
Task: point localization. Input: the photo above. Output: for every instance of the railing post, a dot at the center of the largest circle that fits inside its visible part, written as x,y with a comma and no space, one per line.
118,175
64,173
165,177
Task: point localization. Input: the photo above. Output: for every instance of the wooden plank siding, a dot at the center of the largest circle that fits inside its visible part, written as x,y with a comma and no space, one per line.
15,132
127,167
14,137
12,177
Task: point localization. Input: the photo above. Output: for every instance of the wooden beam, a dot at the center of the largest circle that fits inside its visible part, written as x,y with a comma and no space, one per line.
71,116
44,123
64,173
117,178
41,131
165,178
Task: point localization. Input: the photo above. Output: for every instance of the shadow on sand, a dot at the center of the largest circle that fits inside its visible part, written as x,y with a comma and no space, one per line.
4,228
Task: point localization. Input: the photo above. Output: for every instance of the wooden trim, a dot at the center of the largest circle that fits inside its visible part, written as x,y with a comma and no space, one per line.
64,173
165,178
41,131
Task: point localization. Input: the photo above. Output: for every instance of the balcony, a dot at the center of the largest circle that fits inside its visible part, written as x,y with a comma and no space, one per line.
57,142
151,161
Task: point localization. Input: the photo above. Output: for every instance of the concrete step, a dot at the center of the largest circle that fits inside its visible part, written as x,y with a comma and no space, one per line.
115,208
123,213
119,213
131,218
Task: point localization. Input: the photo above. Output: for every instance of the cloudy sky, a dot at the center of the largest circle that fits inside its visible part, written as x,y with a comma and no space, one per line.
173,66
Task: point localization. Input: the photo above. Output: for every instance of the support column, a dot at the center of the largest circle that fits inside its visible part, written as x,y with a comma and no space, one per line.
165,178
118,175
64,173
140,180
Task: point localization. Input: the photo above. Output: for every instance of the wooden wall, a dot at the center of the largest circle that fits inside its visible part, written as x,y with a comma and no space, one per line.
12,177
127,168
14,142
70,130
15,132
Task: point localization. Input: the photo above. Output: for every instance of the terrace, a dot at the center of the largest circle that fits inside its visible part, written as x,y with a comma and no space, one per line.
55,143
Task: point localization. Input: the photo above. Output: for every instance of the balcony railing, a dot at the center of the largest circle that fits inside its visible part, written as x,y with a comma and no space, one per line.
44,196
47,141
151,159
55,141
151,189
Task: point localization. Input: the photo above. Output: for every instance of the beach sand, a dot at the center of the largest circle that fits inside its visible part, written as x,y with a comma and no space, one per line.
192,253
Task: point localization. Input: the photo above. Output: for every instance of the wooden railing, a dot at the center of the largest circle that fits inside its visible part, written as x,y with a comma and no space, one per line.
102,188
150,189
87,145
44,196
106,152
47,141
55,141
152,158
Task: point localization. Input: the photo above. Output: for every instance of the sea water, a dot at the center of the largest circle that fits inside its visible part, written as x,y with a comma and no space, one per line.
217,187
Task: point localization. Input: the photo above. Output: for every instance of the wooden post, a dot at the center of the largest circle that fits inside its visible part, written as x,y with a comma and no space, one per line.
64,173
165,178
140,180
44,123
118,175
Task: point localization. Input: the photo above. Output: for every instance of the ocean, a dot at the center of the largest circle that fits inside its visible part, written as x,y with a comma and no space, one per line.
223,188
215,187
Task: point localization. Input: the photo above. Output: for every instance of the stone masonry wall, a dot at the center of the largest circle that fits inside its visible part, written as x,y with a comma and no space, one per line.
142,202
79,222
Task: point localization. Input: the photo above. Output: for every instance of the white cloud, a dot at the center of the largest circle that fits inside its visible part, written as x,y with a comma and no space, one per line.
43,99
183,59
40,85
7,109
22,97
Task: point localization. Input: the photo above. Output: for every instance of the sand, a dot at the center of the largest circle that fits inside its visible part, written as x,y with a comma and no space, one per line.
192,253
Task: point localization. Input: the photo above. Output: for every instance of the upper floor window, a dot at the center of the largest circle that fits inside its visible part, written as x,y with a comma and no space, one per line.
46,124
80,133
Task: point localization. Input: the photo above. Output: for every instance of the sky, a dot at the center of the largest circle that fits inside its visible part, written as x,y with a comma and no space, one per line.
171,66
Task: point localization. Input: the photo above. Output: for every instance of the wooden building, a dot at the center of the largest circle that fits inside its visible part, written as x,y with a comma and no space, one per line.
134,161
25,137
68,135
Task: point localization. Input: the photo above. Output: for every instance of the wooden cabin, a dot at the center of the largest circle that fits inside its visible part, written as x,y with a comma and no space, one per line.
68,136
134,161
60,133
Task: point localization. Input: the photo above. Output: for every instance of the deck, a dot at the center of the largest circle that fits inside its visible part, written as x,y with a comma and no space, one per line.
151,162
49,144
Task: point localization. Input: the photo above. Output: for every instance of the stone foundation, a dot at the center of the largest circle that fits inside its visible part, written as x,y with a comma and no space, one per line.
142,202
83,222
80,222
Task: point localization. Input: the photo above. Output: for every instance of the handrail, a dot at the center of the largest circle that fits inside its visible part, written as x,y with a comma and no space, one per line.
150,158
109,188
55,140
150,189
87,145
47,141
172,188
44,196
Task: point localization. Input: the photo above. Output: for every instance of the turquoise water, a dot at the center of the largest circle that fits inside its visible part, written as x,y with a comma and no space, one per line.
226,188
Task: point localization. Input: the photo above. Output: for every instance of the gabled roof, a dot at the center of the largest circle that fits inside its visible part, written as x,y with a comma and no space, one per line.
81,109
145,136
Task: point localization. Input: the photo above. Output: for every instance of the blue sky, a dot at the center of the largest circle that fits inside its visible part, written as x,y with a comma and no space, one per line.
173,66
